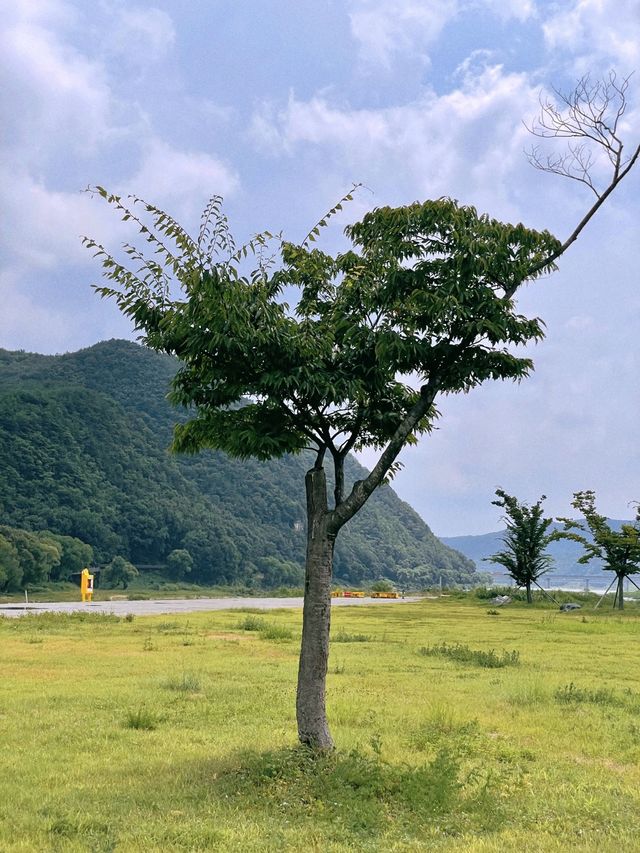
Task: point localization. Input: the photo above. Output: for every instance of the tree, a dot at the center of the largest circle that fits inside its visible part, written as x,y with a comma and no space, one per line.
179,563
525,541
37,553
10,570
619,550
75,555
423,298
118,571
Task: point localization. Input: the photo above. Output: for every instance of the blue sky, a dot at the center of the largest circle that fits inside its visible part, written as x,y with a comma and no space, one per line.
280,107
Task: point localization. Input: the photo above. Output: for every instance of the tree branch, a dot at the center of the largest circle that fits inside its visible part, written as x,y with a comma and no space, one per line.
591,115
586,218
363,489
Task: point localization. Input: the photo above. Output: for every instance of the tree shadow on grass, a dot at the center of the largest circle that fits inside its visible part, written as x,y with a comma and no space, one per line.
353,795
287,799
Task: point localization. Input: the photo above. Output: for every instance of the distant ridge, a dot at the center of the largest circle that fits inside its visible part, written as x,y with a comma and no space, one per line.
83,452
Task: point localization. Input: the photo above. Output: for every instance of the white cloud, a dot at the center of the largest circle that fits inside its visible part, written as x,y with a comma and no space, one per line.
521,10
182,181
20,311
43,227
384,29
391,29
606,31
419,149
50,92
141,34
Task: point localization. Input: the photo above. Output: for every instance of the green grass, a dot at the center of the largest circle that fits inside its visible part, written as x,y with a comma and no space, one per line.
178,734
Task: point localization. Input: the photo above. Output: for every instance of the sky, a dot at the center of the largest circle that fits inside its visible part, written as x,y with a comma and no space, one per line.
280,107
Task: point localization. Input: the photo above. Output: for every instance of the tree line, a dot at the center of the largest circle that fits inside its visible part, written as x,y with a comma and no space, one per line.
83,440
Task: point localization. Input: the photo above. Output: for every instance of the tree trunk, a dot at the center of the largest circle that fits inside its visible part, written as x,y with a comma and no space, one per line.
313,728
529,596
620,593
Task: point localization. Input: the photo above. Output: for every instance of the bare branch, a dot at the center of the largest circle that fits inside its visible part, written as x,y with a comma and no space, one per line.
591,114
589,117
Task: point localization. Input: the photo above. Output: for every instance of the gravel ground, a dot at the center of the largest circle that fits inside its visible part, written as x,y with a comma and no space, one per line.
182,605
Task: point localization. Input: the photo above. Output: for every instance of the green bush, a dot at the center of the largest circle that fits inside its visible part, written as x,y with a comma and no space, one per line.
275,632
252,623
464,654
141,719
572,694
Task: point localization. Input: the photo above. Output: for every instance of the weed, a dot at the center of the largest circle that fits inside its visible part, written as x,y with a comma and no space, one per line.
464,654
266,630
444,728
188,682
129,617
528,695
171,627
338,668
344,637
493,612
275,632
252,623
572,694
141,719
376,744
149,645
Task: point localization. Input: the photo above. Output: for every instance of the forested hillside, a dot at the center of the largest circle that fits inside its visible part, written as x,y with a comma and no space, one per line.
83,453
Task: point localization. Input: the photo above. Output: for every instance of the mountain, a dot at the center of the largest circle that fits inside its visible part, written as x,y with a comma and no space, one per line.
564,552
83,452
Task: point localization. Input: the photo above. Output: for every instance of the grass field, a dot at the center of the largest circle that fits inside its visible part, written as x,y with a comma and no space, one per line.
457,730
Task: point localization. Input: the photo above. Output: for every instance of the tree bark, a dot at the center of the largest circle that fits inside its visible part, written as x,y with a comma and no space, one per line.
620,593
529,596
313,729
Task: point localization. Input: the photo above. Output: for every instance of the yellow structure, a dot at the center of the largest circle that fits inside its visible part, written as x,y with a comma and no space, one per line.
86,585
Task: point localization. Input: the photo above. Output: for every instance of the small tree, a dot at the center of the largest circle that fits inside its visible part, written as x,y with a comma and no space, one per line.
119,571
426,291
525,541
37,553
619,550
10,570
179,564
74,557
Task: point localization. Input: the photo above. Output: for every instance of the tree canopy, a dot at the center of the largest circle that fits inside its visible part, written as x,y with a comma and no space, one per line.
619,550
525,541
425,294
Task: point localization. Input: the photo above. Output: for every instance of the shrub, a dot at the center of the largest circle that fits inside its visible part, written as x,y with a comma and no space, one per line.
252,623
572,694
141,719
464,654
275,632
344,637
188,682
